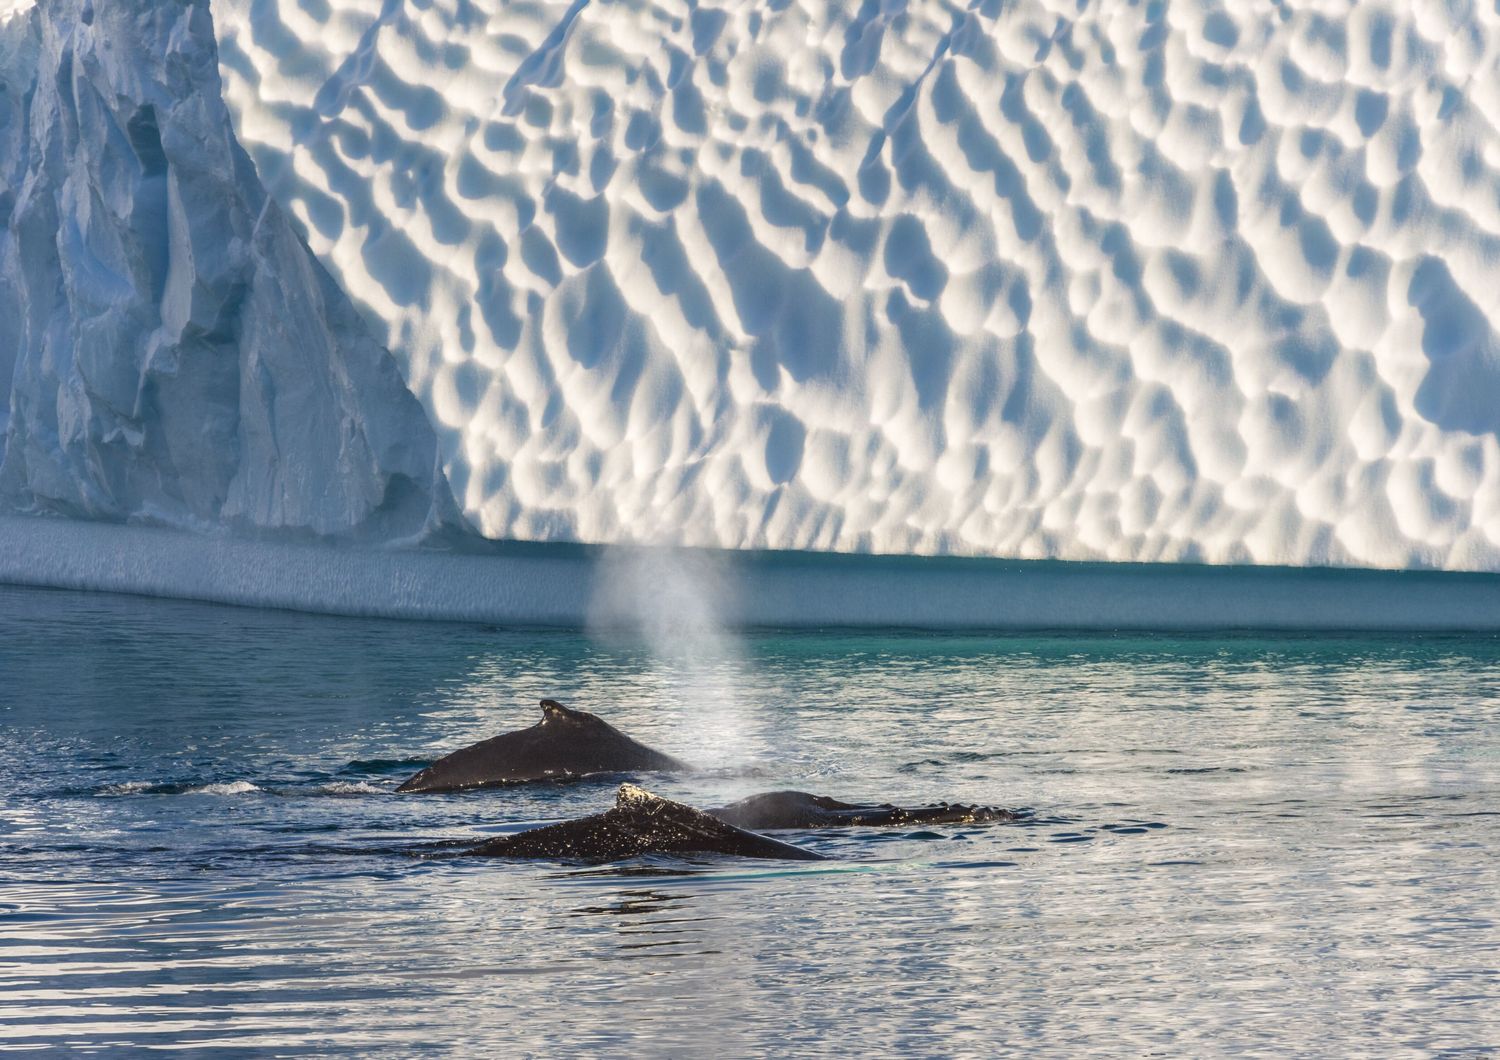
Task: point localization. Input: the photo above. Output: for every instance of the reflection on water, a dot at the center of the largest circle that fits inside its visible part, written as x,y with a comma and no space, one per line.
1242,844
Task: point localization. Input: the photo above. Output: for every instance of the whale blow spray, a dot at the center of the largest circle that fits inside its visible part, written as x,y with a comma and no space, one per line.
673,603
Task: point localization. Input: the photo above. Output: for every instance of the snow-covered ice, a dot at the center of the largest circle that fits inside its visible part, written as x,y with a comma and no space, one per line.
1148,281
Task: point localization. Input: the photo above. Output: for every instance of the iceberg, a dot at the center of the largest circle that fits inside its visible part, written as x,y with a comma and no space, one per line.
1131,282
910,313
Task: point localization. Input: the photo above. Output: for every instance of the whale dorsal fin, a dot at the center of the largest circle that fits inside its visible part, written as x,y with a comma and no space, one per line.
551,708
635,797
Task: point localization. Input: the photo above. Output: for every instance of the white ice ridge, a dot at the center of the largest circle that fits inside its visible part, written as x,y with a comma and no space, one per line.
1118,281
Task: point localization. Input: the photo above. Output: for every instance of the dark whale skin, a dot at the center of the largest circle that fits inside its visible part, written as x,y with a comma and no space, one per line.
800,809
640,823
564,744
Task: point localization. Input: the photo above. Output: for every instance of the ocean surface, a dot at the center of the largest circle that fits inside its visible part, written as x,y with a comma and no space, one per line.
1233,844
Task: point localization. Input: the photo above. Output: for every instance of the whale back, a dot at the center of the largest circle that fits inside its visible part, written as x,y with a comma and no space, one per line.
800,809
565,744
640,823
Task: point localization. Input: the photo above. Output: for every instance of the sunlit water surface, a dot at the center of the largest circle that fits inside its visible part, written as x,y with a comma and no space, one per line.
1235,844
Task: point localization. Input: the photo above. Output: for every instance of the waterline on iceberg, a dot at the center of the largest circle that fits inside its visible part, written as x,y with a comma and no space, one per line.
525,584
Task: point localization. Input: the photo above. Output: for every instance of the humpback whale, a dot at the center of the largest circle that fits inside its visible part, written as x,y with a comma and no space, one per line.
799,809
564,744
640,823
568,743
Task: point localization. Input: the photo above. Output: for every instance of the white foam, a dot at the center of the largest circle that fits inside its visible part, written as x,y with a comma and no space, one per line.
348,787
1020,279
231,787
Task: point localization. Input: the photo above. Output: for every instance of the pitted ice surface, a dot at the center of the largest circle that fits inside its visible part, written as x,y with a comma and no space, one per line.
1126,282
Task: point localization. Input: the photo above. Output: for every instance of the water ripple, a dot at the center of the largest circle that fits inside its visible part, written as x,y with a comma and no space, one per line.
1230,844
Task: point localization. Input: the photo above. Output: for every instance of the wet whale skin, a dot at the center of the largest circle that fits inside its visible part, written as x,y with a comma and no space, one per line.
801,809
640,823
566,743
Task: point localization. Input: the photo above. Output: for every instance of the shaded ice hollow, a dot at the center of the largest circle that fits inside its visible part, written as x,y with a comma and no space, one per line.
1107,281
171,351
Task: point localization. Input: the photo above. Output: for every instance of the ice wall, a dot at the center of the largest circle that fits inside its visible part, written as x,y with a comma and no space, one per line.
170,350
18,59
1147,281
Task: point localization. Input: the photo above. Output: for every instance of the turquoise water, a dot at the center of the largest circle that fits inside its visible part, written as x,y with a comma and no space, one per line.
1235,844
